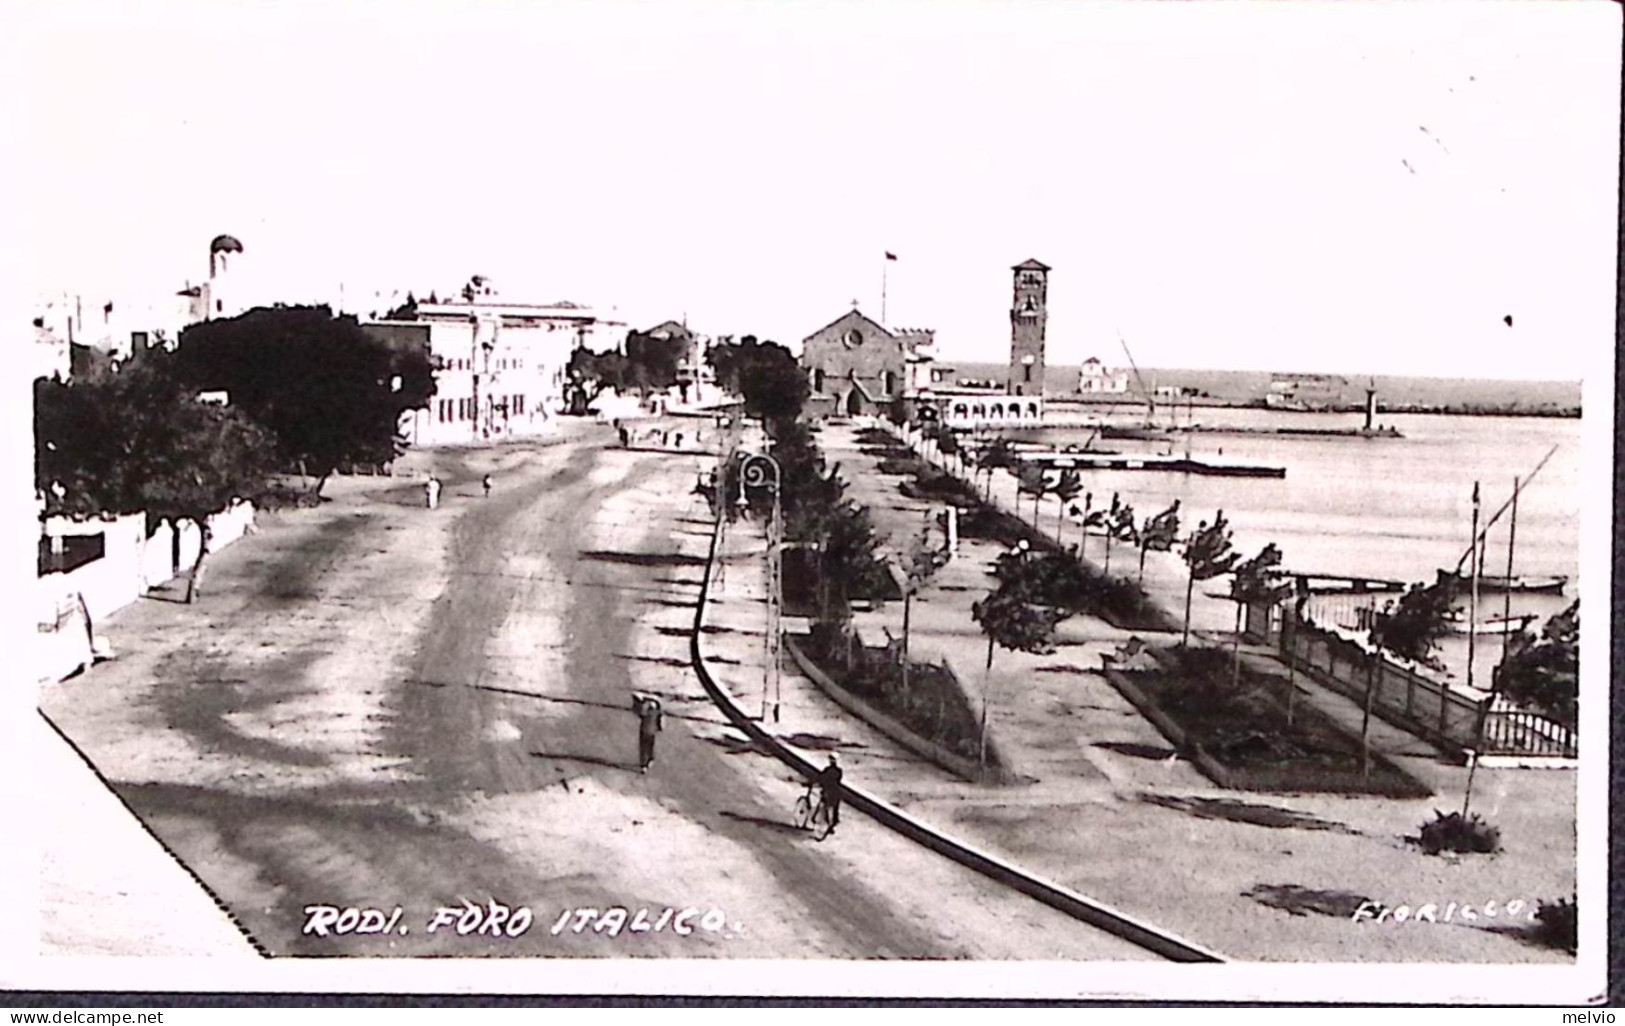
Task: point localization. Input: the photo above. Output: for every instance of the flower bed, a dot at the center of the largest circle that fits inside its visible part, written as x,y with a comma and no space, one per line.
933,708
1237,734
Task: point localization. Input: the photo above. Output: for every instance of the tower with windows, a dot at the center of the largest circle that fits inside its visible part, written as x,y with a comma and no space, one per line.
1029,313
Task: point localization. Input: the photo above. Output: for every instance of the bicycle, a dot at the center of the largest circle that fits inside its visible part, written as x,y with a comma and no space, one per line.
814,816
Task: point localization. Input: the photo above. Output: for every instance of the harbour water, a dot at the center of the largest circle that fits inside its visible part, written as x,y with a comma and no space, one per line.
1383,507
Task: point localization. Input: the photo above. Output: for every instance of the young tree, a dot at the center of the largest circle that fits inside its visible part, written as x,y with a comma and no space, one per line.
1207,555
1031,480
327,390
999,454
1066,488
1256,581
1119,526
1012,622
1086,517
921,562
1158,534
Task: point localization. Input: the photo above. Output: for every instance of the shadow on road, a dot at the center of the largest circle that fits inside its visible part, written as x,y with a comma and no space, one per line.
1157,753
593,759
645,559
782,827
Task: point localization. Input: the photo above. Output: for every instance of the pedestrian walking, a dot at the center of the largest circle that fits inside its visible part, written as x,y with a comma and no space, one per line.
679,440
650,722
431,491
829,787
485,482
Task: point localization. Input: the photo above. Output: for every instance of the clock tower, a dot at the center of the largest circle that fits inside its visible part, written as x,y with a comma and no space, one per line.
1029,312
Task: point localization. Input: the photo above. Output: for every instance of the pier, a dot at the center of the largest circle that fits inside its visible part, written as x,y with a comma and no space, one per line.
1209,466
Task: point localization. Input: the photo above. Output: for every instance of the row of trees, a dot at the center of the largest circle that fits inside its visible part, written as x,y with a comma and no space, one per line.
181,434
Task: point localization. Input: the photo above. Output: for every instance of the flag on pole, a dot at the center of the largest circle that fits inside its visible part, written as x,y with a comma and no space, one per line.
890,255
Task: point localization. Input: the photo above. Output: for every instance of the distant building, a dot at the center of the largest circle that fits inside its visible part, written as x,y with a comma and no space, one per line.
499,366
79,334
856,366
1306,391
222,294
1095,378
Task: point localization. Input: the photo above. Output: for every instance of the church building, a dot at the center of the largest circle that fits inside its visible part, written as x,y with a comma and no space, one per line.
855,366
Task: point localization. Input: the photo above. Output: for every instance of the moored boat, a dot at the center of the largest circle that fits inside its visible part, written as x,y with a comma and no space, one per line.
1532,585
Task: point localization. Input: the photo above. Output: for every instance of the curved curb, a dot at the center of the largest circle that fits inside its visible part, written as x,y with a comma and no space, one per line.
1062,899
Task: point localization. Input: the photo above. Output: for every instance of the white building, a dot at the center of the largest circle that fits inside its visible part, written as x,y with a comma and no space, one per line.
499,366
1096,378
223,294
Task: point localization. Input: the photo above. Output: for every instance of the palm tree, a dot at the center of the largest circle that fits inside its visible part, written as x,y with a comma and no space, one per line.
1158,534
1208,555
1031,480
1066,488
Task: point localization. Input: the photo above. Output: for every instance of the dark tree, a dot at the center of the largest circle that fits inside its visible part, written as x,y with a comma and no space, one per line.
774,387
330,393
1412,628
588,375
1545,673
407,311
652,362
140,441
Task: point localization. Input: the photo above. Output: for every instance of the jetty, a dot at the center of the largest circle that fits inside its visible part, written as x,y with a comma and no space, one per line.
1155,434
1208,466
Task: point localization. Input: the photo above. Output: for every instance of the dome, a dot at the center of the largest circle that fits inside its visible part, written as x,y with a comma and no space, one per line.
225,244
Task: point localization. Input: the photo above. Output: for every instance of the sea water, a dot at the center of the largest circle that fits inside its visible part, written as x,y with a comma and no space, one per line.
1390,508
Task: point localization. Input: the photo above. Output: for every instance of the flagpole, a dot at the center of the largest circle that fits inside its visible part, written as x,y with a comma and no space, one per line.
883,268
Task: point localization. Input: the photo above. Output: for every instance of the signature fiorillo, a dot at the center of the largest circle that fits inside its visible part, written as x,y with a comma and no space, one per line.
498,919
1444,912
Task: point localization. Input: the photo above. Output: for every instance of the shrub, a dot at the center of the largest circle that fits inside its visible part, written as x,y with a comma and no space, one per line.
898,466
1557,924
1452,832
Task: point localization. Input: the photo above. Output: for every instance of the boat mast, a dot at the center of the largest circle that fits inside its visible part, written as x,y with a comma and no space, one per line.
1504,506
1472,595
1506,648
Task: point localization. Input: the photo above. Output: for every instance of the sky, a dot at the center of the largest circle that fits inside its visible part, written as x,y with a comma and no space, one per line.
1297,186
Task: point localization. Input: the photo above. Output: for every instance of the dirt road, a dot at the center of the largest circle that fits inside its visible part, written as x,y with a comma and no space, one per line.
382,707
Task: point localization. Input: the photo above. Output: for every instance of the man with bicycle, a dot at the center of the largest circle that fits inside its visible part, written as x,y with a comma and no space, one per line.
828,782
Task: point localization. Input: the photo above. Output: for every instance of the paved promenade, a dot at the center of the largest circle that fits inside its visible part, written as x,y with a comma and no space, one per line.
107,887
1112,811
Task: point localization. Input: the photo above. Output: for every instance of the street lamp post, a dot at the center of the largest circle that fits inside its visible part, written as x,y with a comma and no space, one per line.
760,470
